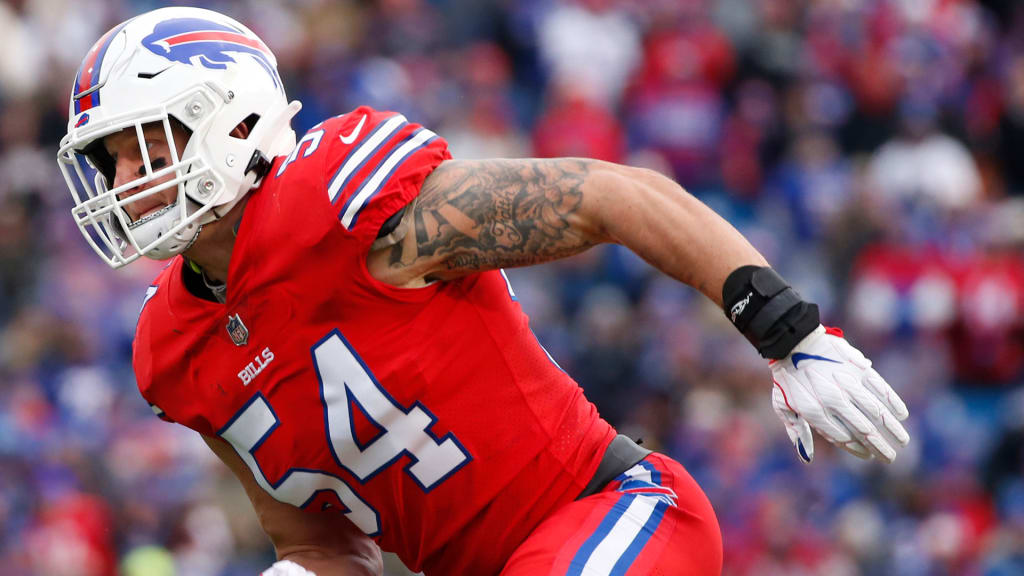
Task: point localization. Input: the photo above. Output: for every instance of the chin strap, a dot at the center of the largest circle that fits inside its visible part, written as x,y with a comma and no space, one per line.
258,164
219,290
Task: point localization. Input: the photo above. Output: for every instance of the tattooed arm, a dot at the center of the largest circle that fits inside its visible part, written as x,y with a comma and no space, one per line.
474,215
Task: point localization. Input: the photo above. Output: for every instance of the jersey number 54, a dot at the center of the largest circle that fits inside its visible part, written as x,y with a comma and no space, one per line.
345,381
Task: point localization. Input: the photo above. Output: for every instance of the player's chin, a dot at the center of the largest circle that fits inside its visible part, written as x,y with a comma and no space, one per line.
209,233
203,239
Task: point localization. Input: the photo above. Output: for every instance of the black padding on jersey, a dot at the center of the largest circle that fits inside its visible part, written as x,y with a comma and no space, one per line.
621,455
391,223
767,311
194,284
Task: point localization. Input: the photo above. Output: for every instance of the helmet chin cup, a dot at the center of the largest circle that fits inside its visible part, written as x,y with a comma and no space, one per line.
153,234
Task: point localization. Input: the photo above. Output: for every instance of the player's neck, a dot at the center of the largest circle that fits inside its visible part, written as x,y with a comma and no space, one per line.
212,250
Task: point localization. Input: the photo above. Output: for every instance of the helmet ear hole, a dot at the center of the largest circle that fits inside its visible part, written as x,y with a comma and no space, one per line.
244,128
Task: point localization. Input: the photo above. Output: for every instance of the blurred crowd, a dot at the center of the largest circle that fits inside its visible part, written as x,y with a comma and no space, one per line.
871,149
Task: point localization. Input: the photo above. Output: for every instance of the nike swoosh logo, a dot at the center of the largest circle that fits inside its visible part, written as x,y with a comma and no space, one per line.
801,356
354,133
150,75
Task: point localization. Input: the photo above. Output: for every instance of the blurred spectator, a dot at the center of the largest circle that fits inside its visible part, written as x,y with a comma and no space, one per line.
749,137
72,538
148,561
923,165
18,65
575,126
1011,125
591,45
814,181
485,126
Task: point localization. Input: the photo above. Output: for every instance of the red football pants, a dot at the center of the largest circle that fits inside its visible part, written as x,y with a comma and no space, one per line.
651,520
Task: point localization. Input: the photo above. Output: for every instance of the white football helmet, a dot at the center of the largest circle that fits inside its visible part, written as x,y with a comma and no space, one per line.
199,68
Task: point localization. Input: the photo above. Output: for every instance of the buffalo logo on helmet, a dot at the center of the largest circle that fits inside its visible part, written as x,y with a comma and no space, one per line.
188,40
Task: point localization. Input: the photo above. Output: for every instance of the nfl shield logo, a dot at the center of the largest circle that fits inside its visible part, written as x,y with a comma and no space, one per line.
237,330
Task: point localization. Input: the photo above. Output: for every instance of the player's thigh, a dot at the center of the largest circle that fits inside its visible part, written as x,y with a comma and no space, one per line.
653,519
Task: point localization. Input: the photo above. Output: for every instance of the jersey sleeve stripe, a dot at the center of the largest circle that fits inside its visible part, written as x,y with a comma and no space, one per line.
372,185
367,147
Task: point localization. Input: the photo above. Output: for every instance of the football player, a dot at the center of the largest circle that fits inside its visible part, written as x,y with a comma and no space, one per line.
335,322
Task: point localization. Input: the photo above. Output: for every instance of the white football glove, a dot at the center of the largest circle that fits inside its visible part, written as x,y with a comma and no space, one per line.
286,568
827,384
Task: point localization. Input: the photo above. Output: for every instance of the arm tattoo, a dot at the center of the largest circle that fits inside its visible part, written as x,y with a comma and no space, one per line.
481,215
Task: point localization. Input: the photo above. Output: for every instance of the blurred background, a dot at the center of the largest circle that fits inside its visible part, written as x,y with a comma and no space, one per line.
873,150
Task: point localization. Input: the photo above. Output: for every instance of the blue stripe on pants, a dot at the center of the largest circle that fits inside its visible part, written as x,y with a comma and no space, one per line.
631,553
613,516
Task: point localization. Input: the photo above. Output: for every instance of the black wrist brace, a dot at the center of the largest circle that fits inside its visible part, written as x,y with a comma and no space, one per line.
769,313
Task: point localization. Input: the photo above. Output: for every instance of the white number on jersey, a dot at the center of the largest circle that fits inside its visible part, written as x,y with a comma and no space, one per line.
346,382
311,141
251,427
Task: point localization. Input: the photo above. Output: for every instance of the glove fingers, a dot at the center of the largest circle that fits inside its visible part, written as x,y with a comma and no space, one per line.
836,392
853,445
872,439
806,405
858,450
886,430
800,435
873,380
865,432
883,421
797,429
856,447
841,393
884,392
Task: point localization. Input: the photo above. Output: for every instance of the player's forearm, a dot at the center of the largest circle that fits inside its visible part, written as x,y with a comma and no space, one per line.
326,544
673,231
326,563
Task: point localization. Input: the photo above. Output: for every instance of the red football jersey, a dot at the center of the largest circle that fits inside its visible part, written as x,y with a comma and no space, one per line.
430,417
